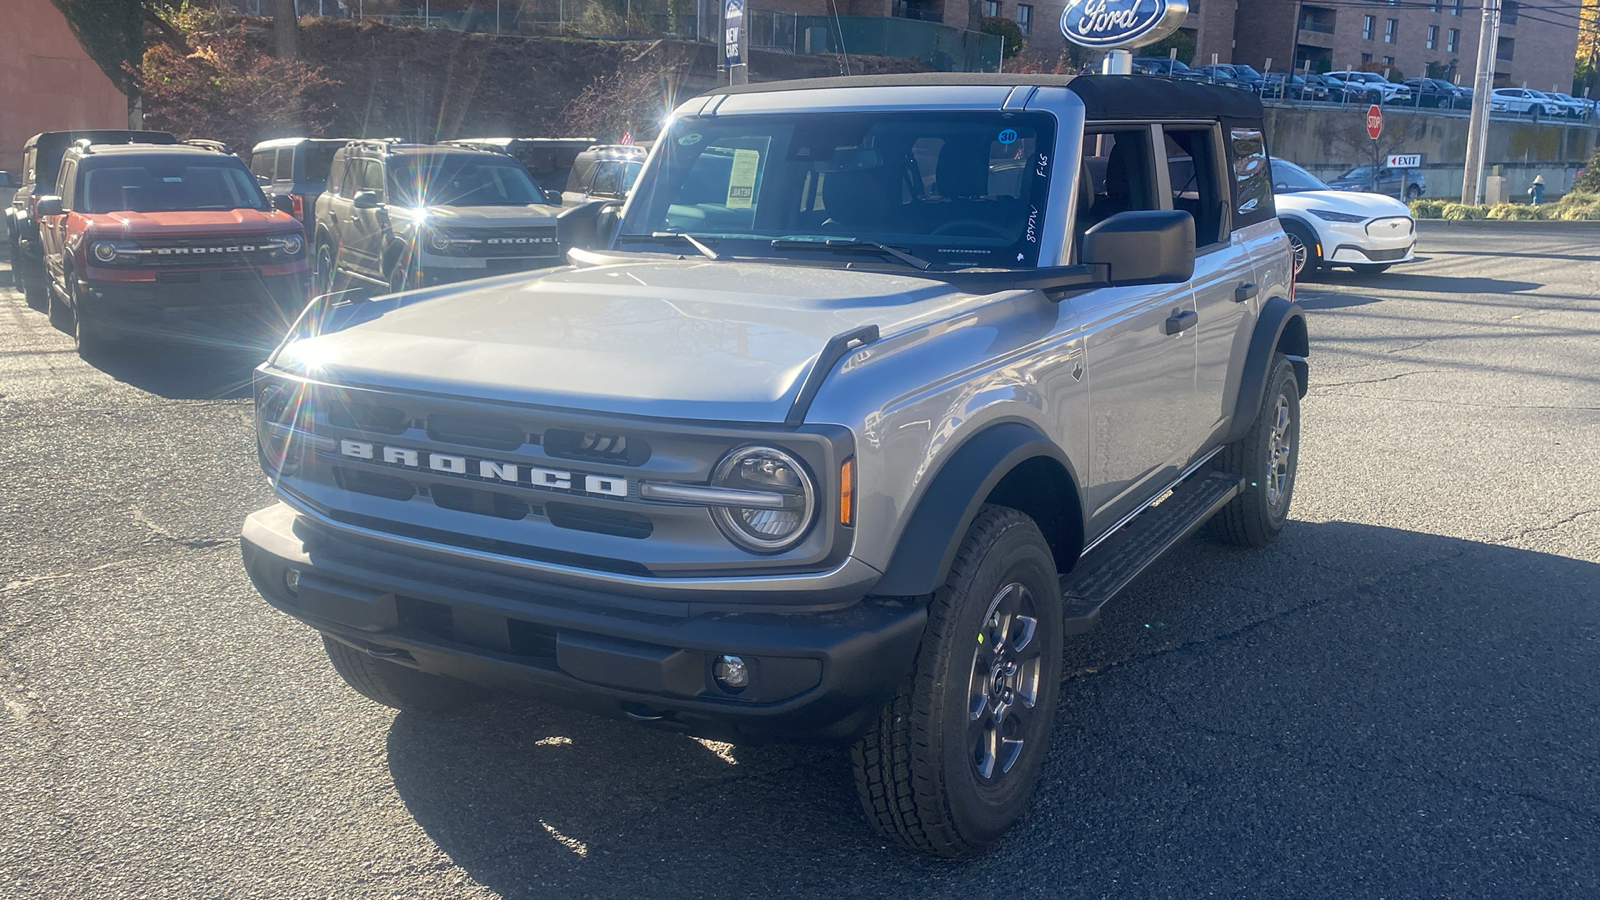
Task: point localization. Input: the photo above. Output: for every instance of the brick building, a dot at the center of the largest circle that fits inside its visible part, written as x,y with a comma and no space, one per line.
47,82
1535,49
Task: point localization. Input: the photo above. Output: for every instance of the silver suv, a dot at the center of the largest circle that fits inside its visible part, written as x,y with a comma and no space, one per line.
399,215
874,392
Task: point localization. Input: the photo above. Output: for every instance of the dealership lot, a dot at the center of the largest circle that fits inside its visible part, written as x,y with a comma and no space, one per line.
1399,697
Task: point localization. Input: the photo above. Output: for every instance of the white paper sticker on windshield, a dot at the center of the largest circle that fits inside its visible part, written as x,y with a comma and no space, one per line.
742,179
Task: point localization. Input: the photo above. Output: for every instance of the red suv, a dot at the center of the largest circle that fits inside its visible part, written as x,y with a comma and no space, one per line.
152,241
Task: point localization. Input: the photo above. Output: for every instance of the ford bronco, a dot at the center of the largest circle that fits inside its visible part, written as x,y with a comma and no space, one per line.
872,394
158,241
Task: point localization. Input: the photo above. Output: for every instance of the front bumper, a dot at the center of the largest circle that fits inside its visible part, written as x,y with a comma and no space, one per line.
182,303
1344,243
817,676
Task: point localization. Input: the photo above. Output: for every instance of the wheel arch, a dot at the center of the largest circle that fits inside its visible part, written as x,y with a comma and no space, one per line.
1011,464
1280,328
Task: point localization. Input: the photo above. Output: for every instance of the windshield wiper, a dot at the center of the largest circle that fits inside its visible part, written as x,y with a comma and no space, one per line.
915,262
687,238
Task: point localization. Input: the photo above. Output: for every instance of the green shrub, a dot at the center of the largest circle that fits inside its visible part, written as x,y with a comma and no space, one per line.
1589,181
1427,209
1577,212
1457,212
1516,212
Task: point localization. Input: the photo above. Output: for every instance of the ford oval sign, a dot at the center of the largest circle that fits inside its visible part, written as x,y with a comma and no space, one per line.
1117,24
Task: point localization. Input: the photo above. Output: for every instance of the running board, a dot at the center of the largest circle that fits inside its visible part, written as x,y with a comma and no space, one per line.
1115,563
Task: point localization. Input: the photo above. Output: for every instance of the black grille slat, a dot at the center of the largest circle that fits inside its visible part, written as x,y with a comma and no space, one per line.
598,521
474,431
483,503
366,417
620,449
374,484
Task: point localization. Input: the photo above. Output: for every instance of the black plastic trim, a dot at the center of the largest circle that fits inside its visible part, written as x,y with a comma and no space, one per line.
832,352
928,545
1274,319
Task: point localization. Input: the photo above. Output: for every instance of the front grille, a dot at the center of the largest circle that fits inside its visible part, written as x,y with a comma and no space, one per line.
593,446
369,418
1390,226
473,431
374,484
484,503
539,241
246,250
1385,255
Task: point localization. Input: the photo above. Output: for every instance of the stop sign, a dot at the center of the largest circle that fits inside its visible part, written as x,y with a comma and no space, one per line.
1374,121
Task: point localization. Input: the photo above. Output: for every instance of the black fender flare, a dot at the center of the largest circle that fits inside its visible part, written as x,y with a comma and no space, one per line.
928,544
1281,323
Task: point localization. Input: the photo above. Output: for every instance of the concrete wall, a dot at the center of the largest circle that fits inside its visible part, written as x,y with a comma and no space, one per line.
47,82
1330,141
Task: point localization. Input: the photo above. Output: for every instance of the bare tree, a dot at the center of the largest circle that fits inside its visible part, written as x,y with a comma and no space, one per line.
286,29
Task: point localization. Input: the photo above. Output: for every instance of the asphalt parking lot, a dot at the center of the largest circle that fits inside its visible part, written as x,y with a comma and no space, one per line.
1401,697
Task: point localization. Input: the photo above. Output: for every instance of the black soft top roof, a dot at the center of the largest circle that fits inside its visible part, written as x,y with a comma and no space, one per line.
1104,96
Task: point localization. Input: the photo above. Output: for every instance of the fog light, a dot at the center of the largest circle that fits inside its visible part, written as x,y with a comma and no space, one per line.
291,580
731,673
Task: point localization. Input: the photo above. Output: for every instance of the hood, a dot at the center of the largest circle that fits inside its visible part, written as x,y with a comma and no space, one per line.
1356,203
490,216
721,341
209,223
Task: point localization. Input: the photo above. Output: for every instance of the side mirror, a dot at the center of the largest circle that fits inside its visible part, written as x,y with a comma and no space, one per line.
552,196
283,203
1142,247
48,205
366,200
263,180
607,223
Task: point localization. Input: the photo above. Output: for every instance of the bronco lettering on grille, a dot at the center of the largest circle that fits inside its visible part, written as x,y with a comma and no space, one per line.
485,469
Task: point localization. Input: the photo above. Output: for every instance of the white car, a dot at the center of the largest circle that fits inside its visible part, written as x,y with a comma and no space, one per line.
1376,86
1523,101
1327,228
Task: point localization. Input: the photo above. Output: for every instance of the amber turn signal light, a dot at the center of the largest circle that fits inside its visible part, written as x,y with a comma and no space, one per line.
847,492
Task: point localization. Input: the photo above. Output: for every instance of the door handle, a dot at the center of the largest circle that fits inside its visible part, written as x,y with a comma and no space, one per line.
1182,321
1246,291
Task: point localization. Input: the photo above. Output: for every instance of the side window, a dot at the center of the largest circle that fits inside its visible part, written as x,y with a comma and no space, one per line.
65,184
1252,180
261,163
284,171
371,176
607,179
1117,175
336,170
1196,187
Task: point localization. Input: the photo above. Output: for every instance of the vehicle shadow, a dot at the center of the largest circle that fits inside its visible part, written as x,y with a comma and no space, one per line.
1316,300
1219,733
1447,285
179,371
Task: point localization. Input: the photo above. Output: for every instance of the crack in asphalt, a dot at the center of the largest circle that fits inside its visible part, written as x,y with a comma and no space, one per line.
1538,529
1334,384
1252,626
189,543
1463,402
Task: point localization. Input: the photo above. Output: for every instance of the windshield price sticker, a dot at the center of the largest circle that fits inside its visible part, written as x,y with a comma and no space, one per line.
1405,161
1116,24
742,179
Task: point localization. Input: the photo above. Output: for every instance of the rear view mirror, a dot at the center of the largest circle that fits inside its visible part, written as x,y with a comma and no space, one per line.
1142,247
365,200
48,205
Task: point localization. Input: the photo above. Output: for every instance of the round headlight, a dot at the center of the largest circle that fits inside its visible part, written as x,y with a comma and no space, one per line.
277,408
105,251
292,244
438,240
768,528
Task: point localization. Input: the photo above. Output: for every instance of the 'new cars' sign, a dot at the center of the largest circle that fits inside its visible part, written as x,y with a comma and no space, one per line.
1118,24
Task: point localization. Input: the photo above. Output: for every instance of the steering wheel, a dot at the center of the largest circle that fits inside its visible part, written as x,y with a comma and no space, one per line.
983,226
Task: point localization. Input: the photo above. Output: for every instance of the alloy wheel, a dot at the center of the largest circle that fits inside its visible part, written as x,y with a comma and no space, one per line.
1280,448
1003,691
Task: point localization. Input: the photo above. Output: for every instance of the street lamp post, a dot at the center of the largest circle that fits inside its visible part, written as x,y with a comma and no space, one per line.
1483,88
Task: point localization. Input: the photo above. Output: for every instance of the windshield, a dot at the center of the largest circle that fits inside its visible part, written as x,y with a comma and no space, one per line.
461,181
1288,178
169,186
1358,173
1246,71
953,188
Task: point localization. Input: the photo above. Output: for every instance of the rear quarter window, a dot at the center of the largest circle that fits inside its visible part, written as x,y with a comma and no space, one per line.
1252,175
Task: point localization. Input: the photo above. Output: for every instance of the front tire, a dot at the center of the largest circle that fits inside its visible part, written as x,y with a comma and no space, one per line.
951,763
1267,457
322,271
1304,246
396,686
1413,192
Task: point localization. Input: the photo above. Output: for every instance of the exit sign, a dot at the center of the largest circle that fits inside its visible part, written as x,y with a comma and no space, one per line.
1405,161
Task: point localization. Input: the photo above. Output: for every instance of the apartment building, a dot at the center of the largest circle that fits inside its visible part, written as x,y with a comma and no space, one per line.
1536,47
1040,21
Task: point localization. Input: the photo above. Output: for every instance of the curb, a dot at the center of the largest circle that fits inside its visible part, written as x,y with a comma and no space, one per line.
1509,224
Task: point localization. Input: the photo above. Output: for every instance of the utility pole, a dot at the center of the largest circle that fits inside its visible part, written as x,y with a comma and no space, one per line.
1483,87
